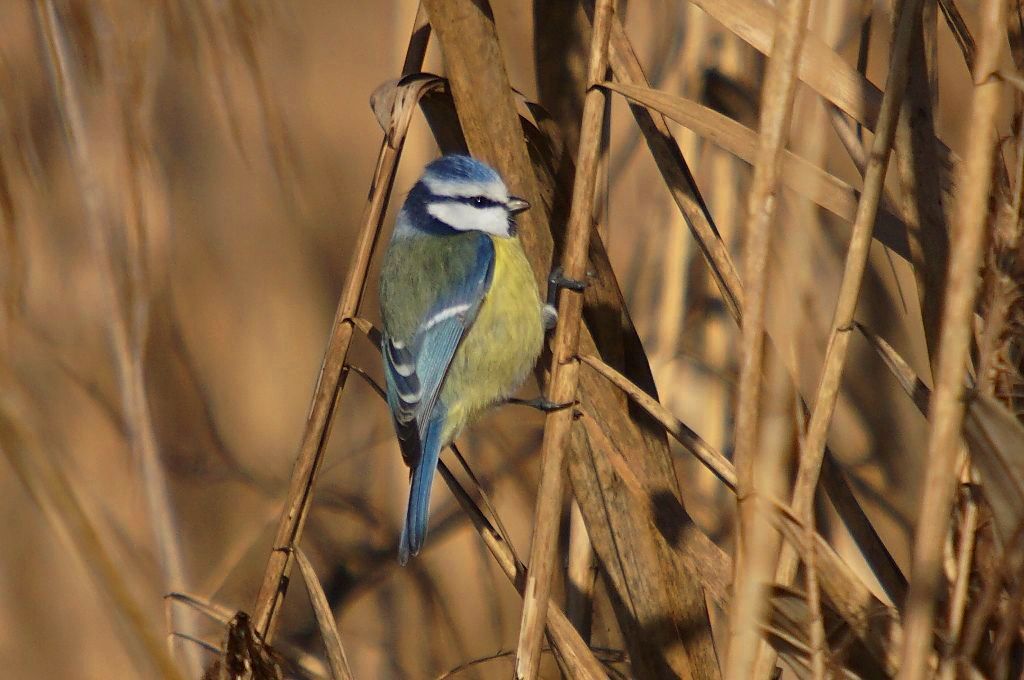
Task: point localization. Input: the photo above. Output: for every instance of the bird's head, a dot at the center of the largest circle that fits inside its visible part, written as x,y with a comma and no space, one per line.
460,193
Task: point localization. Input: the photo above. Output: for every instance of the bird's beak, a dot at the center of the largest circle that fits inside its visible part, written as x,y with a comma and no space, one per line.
517,205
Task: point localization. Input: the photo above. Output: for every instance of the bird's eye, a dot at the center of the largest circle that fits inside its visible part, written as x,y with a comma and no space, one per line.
479,201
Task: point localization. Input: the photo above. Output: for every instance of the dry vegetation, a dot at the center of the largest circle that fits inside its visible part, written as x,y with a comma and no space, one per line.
798,441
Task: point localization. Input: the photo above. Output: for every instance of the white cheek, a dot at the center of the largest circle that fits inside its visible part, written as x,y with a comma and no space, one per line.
491,220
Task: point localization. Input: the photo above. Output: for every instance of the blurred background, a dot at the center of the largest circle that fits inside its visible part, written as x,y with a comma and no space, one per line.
169,273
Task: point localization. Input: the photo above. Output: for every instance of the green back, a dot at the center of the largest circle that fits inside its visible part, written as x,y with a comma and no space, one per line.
417,271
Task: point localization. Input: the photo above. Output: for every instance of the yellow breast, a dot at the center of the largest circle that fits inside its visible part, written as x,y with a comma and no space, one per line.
501,347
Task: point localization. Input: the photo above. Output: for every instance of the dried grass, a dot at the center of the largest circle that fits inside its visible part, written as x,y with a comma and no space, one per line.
182,204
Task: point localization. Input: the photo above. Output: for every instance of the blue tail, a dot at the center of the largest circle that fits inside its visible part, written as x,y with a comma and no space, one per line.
415,530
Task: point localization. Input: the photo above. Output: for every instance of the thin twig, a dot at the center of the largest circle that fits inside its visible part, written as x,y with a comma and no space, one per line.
947,408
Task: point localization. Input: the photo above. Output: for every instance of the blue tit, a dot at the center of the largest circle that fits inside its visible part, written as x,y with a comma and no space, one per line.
463,320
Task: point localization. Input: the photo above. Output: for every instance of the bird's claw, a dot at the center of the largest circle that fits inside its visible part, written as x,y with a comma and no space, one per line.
542,404
557,280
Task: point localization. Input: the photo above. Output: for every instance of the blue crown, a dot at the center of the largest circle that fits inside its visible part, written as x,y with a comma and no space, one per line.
459,167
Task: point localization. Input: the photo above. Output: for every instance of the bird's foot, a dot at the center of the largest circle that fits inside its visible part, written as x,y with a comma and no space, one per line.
556,281
541,404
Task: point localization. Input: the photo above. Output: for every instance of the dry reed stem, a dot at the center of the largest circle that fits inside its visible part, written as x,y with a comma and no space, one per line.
56,497
564,637
127,321
908,18
819,643
331,378
564,372
756,543
947,408
817,635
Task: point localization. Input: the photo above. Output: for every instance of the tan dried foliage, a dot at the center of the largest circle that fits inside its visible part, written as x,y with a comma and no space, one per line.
796,437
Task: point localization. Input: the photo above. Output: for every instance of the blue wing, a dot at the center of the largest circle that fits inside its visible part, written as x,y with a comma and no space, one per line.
415,370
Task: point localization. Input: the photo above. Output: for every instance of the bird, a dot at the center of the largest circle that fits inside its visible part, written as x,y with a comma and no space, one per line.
463,320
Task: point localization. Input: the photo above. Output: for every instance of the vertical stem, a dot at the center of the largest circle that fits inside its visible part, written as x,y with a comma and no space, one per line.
564,365
754,533
947,405
908,14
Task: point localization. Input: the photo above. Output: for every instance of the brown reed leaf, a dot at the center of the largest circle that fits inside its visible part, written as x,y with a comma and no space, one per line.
873,622
324,618
924,208
394,102
993,434
996,440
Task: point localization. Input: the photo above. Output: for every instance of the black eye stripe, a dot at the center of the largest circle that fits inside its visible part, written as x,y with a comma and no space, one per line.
475,201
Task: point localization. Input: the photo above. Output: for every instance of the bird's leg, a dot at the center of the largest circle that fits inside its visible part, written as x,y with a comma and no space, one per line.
540,403
557,280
